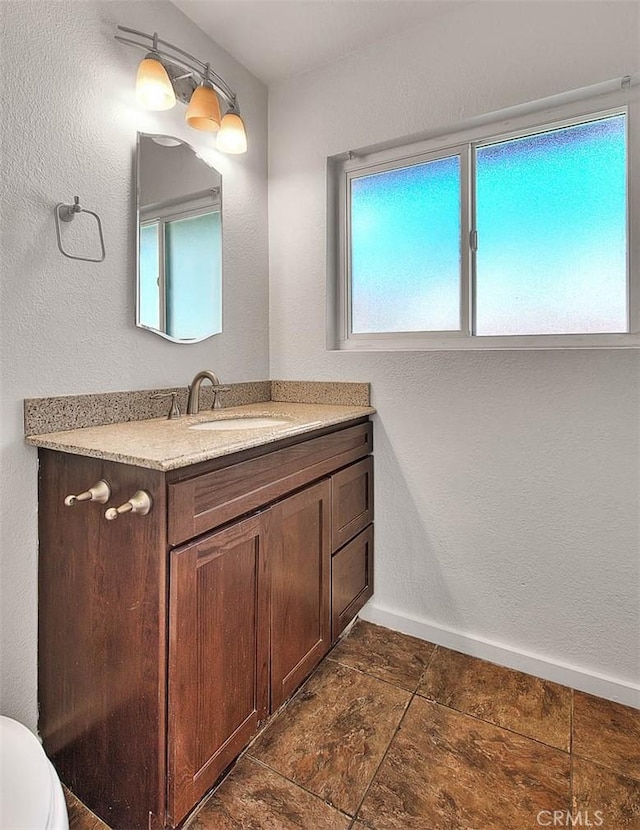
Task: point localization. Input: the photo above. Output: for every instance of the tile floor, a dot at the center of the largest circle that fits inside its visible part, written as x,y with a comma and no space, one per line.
391,733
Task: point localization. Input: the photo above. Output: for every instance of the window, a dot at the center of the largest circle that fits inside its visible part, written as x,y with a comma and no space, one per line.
180,280
405,230
515,237
551,218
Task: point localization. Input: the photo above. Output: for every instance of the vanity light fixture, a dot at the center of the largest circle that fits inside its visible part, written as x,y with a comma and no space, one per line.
232,137
153,85
168,73
203,112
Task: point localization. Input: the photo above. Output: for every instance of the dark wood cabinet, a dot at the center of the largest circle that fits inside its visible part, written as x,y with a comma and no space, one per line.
300,570
218,657
167,639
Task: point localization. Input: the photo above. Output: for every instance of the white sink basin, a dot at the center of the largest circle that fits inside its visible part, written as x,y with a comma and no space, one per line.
240,423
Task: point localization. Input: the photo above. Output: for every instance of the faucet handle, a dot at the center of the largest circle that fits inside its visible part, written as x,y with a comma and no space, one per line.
174,411
218,391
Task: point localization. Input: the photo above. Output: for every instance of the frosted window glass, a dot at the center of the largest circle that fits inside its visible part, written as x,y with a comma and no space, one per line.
405,249
194,276
551,221
149,296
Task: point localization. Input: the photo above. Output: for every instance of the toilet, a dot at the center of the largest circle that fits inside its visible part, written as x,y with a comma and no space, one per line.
31,796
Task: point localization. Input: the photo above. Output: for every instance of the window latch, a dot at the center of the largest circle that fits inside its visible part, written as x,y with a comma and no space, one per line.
473,240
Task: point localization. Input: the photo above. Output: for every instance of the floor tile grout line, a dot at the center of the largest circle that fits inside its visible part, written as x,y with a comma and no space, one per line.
375,676
426,668
571,714
491,723
635,777
382,760
248,754
570,784
301,787
411,694
571,754
499,666
281,710
597,762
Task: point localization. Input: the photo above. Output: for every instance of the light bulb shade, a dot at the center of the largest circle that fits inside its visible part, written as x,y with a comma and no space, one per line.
203,112
153,87
232,137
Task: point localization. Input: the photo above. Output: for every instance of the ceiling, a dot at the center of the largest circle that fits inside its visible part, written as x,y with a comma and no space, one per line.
276,39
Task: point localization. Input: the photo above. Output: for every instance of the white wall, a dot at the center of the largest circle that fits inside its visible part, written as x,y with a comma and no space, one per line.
69,125
506,483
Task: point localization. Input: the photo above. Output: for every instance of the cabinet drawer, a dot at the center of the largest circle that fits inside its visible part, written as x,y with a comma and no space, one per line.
352,501
351,580
207,501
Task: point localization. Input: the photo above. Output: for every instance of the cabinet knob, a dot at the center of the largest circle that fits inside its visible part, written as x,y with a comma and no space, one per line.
100,492
140,502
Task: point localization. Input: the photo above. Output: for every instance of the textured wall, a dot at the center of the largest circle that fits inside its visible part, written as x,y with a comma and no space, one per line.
506,483
69,127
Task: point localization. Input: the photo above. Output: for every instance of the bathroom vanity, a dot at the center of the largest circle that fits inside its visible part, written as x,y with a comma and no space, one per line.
167,639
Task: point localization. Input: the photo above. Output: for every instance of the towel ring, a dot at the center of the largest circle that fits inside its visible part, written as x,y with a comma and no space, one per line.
67,213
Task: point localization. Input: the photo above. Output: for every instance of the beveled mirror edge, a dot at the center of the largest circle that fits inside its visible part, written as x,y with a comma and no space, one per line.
186,342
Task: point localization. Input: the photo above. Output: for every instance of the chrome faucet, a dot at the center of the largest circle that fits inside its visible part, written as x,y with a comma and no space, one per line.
193,404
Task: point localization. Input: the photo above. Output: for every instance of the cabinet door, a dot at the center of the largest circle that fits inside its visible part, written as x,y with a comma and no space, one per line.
218,657
300,570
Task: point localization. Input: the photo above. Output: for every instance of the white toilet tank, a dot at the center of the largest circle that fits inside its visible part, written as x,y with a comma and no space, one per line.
31,796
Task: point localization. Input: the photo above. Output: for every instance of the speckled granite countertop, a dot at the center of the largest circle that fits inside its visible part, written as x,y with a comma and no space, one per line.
160,444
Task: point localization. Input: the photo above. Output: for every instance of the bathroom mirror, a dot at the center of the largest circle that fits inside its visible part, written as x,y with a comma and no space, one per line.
179,241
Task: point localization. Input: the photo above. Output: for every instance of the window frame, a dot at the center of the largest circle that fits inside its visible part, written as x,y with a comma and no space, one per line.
492,129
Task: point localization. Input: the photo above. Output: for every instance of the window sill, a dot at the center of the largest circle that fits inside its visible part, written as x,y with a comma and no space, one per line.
396,343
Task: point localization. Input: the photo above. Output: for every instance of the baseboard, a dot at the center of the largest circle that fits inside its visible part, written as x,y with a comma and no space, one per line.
584,681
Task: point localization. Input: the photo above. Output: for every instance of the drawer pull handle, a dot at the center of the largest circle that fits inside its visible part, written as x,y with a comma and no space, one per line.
100,492
140,502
